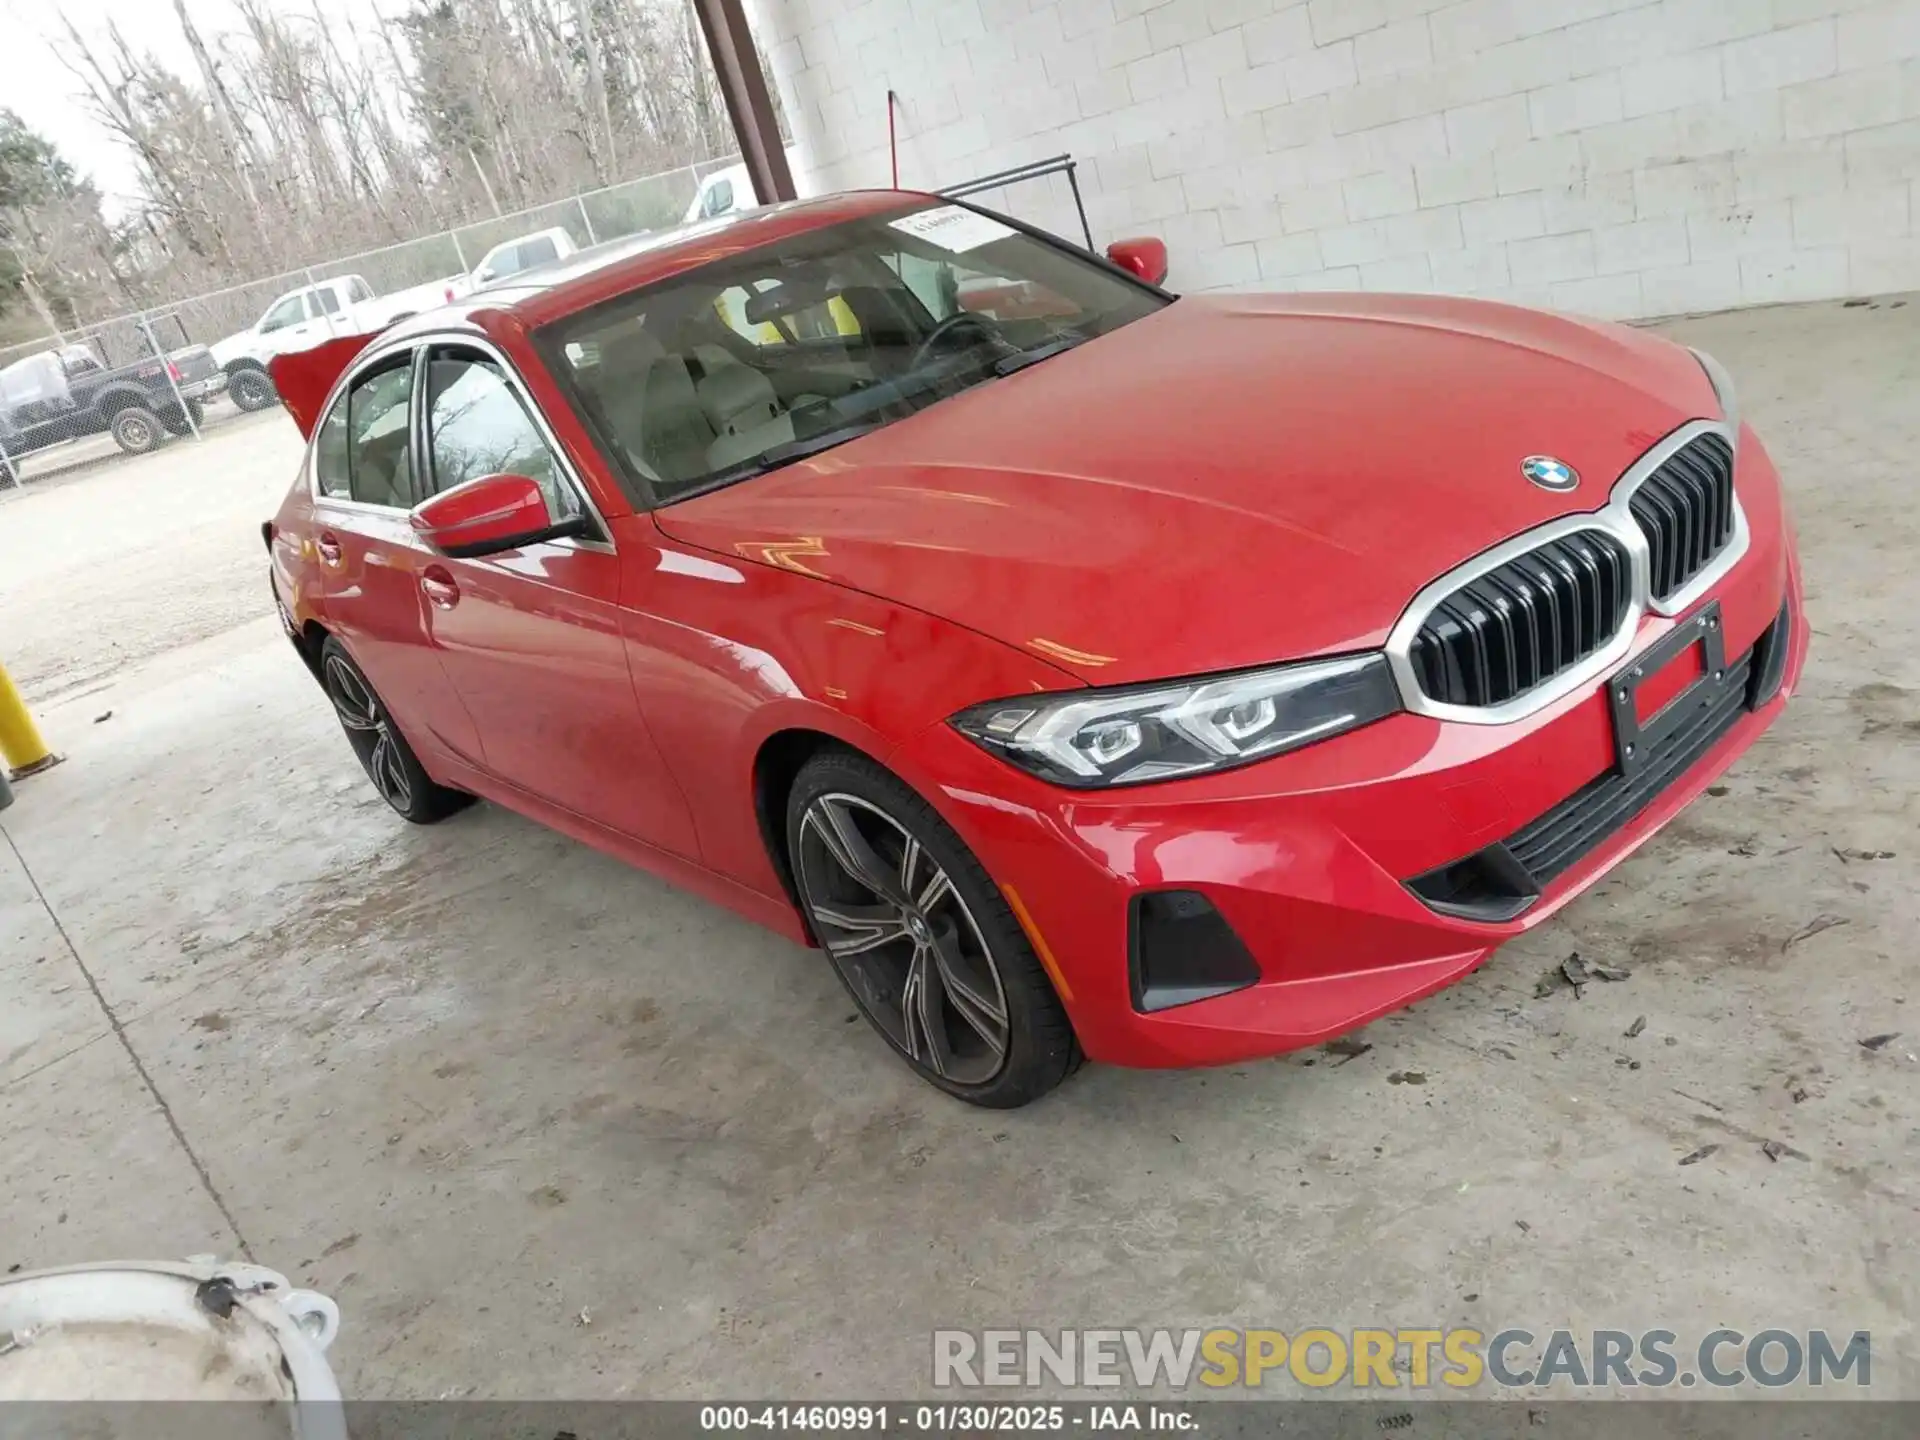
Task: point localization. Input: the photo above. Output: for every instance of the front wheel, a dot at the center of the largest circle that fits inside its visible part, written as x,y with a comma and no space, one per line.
136,429
251,389
382,750
922,937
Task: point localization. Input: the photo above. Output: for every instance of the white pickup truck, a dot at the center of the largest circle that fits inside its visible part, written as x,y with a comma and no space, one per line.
303,318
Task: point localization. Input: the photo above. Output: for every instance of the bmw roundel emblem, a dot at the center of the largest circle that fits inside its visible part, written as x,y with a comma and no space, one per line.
1549,473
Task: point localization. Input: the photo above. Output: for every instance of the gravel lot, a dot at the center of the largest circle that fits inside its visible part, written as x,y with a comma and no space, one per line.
106,566
544,1125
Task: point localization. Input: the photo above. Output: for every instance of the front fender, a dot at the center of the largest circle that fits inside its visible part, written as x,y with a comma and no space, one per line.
752,650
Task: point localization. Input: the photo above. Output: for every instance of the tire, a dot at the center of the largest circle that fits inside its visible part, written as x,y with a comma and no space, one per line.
177,423
251,388
377,743
136,429
942,979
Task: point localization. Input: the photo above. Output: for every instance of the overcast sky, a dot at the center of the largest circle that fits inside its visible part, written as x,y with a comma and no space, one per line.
43,91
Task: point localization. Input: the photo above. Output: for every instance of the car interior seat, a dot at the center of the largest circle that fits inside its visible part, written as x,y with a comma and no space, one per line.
745,413
648,398
382,470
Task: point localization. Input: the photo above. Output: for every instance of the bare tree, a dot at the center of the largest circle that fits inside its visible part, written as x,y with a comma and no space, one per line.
294,138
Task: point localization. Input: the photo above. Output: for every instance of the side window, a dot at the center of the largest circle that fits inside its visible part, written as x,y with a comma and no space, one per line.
538,252
933,284
948,287
363,449
719,199
330,453
477,426
358,291
290,311
326,301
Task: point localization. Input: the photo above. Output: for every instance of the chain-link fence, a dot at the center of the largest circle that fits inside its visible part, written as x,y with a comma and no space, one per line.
129,384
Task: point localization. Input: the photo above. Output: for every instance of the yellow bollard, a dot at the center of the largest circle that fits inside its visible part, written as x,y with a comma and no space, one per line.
20,742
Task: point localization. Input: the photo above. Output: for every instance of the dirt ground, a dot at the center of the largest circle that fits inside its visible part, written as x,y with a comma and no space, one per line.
544,1125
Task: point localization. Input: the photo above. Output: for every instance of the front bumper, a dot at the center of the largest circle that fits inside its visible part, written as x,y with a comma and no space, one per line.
1308,856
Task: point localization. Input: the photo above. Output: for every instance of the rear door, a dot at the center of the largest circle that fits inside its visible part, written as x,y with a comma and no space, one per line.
532,638
370,562
328,309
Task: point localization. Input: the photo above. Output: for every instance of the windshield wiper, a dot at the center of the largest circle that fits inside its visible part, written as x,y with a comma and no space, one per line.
785,453
1019,360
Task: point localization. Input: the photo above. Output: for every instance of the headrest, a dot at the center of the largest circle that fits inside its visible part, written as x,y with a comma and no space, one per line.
738,398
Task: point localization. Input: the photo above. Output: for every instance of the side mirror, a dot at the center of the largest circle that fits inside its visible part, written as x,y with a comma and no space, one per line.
488,515
1141,255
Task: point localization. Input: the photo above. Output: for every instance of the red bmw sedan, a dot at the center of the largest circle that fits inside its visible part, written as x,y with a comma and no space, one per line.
1084,670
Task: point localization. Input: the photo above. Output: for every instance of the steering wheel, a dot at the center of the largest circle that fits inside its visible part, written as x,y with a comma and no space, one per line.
941,336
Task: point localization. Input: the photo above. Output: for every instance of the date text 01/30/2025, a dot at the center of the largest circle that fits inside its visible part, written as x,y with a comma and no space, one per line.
944,1419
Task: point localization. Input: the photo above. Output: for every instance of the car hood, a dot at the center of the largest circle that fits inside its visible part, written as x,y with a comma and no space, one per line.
233,347
1228,482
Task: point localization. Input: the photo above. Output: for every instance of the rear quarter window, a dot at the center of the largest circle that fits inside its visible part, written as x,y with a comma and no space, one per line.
330,471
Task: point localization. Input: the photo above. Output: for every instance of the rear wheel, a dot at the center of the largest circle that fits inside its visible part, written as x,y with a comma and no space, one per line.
382,750
921,936
136,429
178,422
252,389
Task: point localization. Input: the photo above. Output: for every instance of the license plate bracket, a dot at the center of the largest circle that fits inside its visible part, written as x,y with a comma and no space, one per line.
1634,738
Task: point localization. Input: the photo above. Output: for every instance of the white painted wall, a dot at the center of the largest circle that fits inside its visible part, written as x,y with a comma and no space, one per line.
1617,157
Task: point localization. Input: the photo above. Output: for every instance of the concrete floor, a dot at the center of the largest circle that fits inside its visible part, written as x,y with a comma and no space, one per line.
544,1125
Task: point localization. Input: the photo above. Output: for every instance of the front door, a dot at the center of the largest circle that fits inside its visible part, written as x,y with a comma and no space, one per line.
532,637
294,323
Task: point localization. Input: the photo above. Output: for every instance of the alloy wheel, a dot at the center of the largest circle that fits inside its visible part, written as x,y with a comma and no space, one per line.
369,731
903,939
250,390
136,432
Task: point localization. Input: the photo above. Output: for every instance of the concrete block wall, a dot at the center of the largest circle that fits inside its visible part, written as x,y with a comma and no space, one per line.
1616,157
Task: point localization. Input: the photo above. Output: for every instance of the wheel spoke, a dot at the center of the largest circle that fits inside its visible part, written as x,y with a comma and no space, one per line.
834,824
868,927
920,1008
352,700
389,775
937,889
985,1013
909,865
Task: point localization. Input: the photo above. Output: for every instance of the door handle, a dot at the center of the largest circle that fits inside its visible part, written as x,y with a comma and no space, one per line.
329,547
440,588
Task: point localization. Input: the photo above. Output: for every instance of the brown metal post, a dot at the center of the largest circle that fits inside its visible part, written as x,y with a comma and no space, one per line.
744,86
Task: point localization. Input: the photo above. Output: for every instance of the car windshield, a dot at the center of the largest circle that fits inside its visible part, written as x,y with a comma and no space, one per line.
768,357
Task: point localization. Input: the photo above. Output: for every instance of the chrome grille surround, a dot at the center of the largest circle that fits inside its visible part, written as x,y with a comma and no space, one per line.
1616,519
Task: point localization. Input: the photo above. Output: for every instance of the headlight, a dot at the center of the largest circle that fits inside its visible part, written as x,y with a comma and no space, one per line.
1723,390
1088,739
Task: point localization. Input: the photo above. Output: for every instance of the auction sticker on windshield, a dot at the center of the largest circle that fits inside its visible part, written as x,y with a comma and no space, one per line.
953,228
